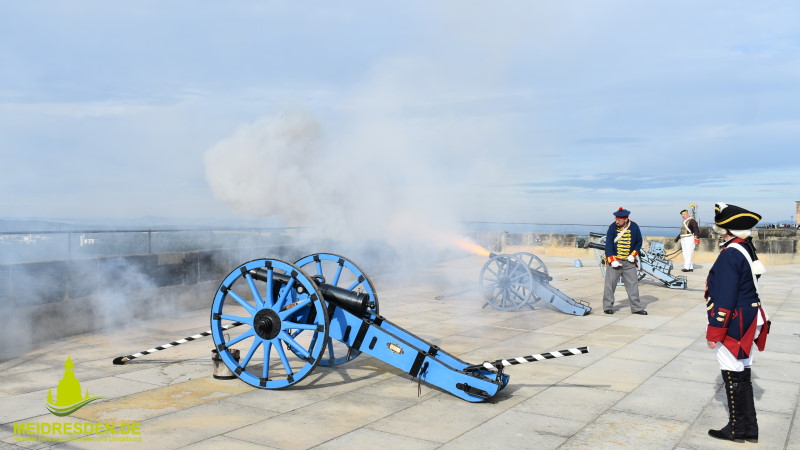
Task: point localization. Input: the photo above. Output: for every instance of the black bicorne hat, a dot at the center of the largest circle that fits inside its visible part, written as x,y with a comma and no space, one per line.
733,217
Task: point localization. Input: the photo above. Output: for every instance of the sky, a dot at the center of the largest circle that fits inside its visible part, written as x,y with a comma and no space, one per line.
383,118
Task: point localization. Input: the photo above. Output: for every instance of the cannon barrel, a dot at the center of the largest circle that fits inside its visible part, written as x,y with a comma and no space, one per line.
596,246
357,303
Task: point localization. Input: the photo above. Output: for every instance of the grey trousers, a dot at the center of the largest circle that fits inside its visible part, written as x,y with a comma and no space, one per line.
629,274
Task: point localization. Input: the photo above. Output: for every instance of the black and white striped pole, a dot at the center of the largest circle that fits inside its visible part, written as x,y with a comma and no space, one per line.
500,363
123,359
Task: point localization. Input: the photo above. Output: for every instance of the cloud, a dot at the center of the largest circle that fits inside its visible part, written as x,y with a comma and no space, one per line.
441,104
617,181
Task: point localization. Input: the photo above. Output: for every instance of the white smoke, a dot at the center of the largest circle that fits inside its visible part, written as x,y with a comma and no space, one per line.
264,169
279,167
408,156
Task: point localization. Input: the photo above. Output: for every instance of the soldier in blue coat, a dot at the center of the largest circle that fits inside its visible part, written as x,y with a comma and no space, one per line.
736,320
623,244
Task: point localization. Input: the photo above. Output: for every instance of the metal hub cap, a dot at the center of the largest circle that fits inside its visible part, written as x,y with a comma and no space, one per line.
267,324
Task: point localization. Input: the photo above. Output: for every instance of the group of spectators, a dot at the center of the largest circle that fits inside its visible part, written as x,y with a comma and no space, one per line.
778,225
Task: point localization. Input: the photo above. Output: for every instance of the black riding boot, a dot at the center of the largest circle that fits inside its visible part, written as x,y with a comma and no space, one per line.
750,421
734,391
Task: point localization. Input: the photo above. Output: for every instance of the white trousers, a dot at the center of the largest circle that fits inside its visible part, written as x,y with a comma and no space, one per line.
729,362
687,246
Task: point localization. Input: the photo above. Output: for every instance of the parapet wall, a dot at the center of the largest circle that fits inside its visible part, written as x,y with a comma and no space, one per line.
774,246
44,301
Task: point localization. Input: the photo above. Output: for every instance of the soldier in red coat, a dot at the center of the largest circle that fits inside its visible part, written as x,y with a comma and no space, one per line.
736,320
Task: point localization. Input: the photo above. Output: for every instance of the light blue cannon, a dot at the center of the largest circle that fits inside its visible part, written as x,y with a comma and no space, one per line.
510,281
291,322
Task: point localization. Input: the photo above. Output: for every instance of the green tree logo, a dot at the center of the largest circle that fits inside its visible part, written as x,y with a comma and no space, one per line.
68,394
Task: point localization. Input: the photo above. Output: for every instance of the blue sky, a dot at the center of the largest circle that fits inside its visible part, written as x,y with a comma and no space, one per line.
388,114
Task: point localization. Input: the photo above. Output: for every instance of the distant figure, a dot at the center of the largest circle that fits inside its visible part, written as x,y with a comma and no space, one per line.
623,244
689,237
736,319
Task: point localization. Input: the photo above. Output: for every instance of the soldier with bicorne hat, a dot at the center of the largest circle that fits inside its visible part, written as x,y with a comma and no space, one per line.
623,244
736,319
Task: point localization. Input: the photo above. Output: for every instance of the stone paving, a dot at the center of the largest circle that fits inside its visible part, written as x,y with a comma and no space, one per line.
648,381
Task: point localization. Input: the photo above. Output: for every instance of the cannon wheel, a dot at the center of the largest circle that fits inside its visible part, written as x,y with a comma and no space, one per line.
270,311
506,282
339,271
534,263
600,256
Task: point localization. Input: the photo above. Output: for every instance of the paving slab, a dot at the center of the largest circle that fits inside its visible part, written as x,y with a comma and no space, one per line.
367,438
517,430
668,398
318,423
618,429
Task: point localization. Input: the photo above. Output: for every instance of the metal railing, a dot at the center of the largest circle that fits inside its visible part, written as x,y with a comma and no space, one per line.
16,247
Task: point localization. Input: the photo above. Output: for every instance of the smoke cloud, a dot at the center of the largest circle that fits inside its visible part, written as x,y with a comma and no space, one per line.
375,188
402,162
265,168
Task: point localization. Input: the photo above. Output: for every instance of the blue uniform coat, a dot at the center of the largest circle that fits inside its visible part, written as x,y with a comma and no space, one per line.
732,300
611,246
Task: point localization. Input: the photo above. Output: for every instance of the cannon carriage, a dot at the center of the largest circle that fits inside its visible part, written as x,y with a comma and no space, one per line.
652,262
292,318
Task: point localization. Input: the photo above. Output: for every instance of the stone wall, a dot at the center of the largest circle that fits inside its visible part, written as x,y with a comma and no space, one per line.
774,246
43,301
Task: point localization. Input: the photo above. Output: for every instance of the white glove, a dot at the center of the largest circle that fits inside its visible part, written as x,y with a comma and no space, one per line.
630,258
615,264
